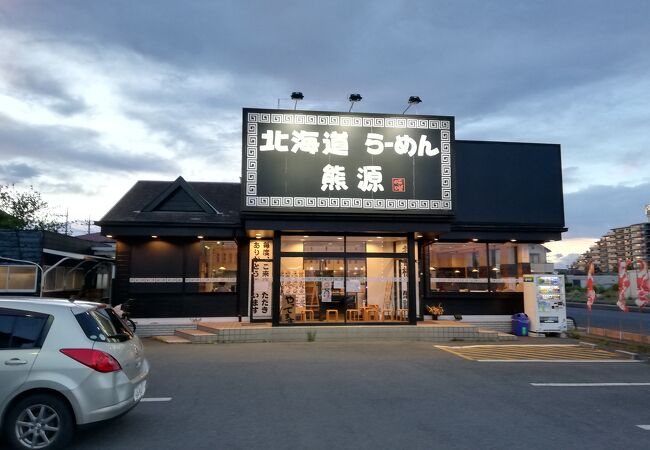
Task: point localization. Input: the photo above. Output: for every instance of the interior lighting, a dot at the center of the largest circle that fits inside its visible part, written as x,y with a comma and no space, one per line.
353,99
432,268
456,271
513,240
109,235
205,246
435,239
305,236
199,237
154,236
474,240
413,100
222,268
339,238
296,97
496,269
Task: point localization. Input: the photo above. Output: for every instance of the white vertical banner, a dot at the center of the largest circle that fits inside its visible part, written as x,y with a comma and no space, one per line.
261,286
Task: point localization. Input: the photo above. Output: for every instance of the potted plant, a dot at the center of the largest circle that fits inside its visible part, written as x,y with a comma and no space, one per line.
435,310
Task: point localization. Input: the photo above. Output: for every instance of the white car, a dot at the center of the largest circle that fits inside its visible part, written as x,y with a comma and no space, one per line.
64,363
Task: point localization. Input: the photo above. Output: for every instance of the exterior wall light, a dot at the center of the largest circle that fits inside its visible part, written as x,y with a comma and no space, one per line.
109,236
413,100
200,237
474,240
153,236
353,99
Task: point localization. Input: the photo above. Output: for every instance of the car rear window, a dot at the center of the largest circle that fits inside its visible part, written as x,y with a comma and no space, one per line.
103,325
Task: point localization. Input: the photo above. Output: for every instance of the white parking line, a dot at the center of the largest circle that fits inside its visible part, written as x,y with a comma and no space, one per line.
156,399
588,385
644,427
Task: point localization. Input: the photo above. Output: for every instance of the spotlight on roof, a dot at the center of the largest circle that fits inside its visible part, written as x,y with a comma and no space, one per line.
353,99
413,100
296,97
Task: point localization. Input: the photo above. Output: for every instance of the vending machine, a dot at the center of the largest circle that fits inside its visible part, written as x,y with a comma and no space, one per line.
544,303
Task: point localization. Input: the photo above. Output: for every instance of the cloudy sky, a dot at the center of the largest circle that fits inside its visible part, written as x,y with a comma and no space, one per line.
95,95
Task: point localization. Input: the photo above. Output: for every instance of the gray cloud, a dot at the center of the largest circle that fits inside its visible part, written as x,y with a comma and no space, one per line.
570,175
65,148
591,212
35,84
461,57
11,173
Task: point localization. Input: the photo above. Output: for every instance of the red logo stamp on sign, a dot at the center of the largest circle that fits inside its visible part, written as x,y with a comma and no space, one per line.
399,185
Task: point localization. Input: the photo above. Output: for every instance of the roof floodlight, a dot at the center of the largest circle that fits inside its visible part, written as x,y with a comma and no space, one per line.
353,99
413,100
296,96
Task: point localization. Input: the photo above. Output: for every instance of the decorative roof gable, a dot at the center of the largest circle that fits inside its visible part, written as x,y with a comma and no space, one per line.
180,197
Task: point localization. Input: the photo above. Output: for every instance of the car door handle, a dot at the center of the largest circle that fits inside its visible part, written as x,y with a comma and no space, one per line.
15,362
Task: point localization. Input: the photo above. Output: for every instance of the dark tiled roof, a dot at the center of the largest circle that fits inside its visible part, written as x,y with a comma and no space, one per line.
223,197
95,237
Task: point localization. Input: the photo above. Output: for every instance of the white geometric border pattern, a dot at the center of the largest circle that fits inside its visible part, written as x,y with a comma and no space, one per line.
252,200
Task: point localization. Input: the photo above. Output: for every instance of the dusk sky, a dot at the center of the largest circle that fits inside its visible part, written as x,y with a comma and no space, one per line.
95,95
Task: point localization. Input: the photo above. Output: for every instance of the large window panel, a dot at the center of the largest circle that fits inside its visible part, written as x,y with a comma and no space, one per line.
375,244
312,244
214,268
458,267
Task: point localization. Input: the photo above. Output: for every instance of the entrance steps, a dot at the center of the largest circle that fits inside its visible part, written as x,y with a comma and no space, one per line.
220,333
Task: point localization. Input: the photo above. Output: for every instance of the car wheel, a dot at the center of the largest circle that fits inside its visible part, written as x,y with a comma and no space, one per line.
39,421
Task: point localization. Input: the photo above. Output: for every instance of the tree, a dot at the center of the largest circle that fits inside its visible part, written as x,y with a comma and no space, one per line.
26,210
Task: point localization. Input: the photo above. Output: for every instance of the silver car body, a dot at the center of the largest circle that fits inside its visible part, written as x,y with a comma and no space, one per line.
93,395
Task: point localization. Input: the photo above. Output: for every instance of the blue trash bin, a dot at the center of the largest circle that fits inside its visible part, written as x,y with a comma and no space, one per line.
520,324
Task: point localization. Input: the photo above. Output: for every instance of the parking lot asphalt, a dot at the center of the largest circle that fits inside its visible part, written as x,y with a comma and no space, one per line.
398,395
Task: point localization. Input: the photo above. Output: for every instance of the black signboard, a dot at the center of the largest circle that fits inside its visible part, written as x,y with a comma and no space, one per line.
347,162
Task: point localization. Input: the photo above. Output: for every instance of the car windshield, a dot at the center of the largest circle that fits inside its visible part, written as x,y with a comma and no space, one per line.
103,325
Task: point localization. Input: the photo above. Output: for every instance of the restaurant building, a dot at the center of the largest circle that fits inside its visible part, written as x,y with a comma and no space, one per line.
342,218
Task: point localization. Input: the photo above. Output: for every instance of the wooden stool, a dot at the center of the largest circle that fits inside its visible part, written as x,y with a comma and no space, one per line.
303,314
372,314
387,312
333,312
402,314
352,314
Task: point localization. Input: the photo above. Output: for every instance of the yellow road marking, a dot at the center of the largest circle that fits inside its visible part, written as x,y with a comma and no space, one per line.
518,352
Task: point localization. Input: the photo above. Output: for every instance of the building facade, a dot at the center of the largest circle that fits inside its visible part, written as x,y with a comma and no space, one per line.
342,219
624,243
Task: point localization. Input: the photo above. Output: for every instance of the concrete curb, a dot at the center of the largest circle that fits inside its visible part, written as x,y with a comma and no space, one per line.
633,308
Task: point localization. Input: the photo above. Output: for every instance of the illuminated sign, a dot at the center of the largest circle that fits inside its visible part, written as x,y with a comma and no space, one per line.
347,162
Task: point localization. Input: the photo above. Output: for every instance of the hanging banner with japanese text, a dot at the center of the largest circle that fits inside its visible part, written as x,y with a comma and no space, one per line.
261,270
347,162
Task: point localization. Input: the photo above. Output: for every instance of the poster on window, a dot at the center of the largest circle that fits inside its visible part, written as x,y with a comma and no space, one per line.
261,287
326,291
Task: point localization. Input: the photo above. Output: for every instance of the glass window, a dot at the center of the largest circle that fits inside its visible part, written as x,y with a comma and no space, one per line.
458,267
103,324
505,272
27,331
18,278
313,244
376,244
6,325
217,267
4,272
